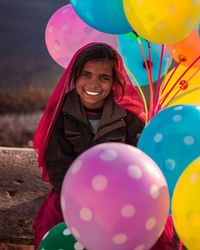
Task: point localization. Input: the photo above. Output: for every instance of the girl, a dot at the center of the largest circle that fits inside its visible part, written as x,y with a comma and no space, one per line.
94,102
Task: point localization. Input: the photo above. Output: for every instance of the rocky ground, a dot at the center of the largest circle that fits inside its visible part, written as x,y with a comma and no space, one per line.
21,193
6,246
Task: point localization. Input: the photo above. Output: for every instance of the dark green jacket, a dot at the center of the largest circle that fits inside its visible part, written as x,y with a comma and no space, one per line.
72,134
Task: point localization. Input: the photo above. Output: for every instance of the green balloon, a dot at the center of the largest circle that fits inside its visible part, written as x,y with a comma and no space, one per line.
60,238
133,36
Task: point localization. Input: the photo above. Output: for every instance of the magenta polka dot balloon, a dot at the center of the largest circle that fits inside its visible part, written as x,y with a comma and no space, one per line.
115,197
66,33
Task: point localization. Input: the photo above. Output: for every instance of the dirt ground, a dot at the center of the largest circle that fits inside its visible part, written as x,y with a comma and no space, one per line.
6,246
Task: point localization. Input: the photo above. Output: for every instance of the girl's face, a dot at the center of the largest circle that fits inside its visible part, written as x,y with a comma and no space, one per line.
95,83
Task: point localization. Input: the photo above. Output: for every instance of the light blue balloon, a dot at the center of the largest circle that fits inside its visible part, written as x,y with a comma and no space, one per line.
132,57
172,140
104,15
199,29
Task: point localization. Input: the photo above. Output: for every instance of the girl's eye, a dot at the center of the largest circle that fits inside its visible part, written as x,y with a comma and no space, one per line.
85,75
105,78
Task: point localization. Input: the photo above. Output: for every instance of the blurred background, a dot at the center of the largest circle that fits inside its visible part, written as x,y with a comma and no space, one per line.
27,72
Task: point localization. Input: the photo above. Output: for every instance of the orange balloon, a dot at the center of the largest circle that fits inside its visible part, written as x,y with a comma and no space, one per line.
186,50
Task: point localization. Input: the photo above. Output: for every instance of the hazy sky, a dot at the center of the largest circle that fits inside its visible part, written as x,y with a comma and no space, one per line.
22,26
24,59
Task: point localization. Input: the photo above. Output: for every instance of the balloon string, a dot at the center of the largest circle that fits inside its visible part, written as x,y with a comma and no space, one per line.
180,246
174,85
164,80
150,60
193,74
158,82
181,95
173,98
149,78
161,87
171,75
141,93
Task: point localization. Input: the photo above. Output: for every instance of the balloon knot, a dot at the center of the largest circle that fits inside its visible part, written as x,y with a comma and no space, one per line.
183,84
182,58
149,64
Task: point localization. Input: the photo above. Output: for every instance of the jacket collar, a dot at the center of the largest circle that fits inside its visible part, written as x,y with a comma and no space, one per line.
73,107
111,112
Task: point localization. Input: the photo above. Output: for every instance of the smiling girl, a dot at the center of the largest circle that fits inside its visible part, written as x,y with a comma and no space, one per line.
94,102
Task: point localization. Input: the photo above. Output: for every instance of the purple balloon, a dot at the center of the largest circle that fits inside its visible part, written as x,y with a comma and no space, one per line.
115,197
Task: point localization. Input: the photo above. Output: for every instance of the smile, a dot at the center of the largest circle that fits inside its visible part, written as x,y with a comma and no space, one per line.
91,93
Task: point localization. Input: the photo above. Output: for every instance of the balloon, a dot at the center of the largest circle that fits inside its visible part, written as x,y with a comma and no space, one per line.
132,57
106,193
199,29
103,15
59,237
186,206
66,33
186,50
188,95
172,140
162,21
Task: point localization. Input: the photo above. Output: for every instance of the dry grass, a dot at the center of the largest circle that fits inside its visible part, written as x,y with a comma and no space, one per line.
25,86
30,99
17,130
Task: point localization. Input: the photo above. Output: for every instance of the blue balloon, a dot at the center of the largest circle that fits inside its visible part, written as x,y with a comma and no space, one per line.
199,29
172,140
104,15
132,57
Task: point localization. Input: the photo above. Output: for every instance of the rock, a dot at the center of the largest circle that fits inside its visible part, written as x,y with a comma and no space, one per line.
21,193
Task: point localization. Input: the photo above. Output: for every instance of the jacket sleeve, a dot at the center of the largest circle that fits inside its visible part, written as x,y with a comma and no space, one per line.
134,127
58,156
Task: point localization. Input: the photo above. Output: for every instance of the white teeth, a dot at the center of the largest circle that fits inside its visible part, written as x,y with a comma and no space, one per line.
91,93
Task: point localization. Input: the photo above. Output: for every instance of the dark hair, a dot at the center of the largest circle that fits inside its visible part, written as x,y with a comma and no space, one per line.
96,52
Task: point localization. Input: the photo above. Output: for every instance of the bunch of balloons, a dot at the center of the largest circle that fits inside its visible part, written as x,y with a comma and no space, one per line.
156,21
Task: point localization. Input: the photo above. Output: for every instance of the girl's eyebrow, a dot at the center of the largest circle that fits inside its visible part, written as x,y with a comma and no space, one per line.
103,74
85,71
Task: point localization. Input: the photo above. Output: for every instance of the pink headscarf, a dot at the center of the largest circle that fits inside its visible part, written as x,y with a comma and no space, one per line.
131,101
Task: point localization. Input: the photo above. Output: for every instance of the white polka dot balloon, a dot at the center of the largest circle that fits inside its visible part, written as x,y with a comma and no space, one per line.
165,21
172,140
59,237
117,198
66,33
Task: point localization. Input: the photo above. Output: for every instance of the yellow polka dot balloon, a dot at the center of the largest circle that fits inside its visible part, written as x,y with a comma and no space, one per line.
186,206
163,21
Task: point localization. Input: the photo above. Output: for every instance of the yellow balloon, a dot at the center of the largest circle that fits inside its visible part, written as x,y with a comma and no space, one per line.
187,88
162,21
186,206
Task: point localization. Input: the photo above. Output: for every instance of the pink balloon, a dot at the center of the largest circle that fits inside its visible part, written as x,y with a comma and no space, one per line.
115,197
65,33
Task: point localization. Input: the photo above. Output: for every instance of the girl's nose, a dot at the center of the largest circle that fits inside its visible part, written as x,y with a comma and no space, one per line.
94,82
